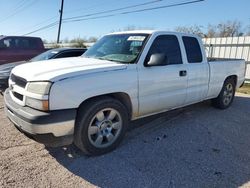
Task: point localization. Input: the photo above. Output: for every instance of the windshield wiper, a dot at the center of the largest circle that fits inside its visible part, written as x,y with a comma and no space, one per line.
103,58
85,56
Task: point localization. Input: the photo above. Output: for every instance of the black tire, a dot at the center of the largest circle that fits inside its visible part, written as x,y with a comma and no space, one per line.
87,119
226,96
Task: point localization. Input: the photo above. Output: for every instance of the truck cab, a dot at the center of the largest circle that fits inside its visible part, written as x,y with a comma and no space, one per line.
183,74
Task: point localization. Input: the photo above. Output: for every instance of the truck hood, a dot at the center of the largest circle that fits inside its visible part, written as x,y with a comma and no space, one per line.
57,69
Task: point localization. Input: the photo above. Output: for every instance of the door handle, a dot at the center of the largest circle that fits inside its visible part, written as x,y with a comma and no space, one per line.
183,73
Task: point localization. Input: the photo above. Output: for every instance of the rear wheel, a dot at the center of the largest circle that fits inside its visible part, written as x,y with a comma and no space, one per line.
101,124
226,96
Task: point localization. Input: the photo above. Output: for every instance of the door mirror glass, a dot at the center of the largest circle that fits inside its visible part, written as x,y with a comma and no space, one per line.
157,59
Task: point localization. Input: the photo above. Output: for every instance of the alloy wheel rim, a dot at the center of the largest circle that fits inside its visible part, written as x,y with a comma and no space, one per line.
105,128
228,94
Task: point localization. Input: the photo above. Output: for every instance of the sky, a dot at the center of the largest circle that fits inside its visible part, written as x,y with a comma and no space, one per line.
21,17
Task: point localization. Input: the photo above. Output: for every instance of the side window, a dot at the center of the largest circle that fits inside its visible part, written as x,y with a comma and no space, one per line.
33,43
69,54
168,45
22,43
25,43
19,43
8,43
193,49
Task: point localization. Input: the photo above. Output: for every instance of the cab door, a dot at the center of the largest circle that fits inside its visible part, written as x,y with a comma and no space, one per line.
162,86
198,70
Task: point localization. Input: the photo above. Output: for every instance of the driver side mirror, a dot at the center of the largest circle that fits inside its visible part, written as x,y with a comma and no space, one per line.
156,60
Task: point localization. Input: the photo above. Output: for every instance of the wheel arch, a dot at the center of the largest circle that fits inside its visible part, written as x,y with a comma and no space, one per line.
124,98
233,77
218,102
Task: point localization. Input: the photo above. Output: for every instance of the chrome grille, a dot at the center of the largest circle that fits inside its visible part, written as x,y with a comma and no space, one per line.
18,80
17,95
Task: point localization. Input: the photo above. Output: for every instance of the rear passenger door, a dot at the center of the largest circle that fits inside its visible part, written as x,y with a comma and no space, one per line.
163,86
197,70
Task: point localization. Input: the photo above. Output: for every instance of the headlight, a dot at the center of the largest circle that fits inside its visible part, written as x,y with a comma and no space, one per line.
37,104
39,87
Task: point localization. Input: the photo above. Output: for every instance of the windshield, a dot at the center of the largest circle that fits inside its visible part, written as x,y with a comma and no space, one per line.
45,55
124,48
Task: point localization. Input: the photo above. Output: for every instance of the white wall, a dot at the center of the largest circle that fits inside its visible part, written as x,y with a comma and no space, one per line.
230,47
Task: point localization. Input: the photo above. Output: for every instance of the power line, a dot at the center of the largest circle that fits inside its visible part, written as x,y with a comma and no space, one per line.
92,7
19,4
115,10
67,20
23,5
51,18
123,8
36,25
43,28
15,8
135,11
166,6
92,18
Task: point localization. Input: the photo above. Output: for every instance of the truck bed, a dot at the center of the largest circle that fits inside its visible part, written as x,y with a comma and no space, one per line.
220,68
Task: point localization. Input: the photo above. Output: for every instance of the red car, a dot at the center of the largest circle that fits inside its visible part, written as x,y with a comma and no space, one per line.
19,48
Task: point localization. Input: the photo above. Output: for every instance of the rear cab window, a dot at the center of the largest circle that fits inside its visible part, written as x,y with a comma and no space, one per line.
193,49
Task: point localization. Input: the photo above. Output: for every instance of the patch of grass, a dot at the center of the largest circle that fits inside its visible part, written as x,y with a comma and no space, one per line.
244,89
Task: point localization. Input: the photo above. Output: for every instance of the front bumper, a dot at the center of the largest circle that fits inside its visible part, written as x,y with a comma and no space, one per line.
52,128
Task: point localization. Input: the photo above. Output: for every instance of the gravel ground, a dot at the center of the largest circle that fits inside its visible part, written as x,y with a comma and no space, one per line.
196,146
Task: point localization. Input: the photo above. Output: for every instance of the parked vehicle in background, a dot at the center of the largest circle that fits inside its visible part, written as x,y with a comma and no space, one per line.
19,48
124,76
50,54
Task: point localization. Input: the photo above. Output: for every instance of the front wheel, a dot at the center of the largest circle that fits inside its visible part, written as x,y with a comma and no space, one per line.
226,96
101,124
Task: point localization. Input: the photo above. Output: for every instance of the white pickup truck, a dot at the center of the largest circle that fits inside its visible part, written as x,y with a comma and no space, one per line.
89,100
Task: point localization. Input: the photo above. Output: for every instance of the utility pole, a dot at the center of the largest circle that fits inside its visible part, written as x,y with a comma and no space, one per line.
60,22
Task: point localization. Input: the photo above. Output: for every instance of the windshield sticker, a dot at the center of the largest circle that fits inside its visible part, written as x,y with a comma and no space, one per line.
54,52
136,38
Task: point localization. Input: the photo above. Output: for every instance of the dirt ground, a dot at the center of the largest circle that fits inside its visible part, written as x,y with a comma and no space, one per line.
196,146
